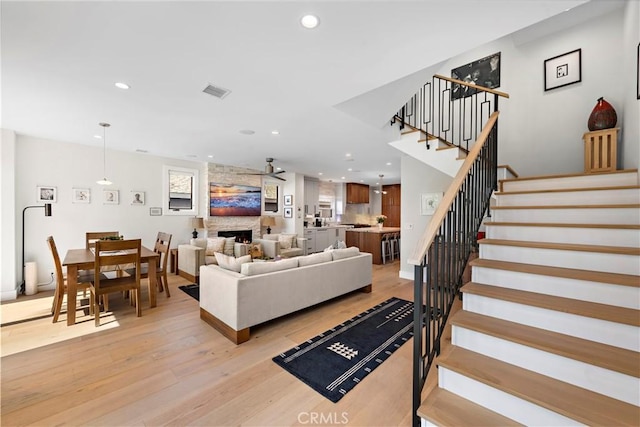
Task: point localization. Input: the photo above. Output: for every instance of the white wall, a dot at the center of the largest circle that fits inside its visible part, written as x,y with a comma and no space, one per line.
417,178
7,215
631,115
67,166
540,132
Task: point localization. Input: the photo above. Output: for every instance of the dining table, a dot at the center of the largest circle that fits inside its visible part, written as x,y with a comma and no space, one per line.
84,259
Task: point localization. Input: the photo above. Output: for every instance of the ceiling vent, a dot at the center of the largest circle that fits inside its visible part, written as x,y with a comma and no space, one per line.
216,91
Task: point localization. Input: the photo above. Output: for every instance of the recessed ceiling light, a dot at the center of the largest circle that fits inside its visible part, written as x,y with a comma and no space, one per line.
140,150
275,132
121,85
388,163
342,177
349,170
97,136
210,156
348,154
247,132
319,173
309,21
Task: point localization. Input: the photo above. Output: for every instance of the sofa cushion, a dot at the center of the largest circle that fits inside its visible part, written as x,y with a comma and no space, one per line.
286,241
312,259
229,244
345,253
214,244
210,259
230,263
255,268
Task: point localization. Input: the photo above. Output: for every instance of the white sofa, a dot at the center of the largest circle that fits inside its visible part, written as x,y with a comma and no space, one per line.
233,302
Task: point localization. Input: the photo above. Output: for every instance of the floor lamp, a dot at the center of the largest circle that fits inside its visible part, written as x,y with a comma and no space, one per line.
47,212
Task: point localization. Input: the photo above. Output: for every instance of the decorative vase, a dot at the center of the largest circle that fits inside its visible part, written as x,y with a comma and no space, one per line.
380,225
603,116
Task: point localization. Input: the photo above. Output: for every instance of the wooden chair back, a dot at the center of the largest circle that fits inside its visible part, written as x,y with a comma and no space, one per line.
163,241
57,265
92,236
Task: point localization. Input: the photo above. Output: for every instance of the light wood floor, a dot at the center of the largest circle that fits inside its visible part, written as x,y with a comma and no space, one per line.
169,367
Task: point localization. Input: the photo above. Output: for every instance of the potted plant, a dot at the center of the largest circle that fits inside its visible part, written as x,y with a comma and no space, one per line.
381,219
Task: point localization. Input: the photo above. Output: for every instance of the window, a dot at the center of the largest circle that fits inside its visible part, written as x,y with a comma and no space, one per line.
180,189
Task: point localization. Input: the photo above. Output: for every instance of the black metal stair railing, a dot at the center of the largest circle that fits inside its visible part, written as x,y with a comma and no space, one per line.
449,110
466,116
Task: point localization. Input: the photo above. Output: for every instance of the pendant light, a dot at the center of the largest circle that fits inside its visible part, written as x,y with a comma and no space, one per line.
104,181
380,190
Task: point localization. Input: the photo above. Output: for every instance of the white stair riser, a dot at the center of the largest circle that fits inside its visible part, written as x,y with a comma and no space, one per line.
616,334
596,261
569,216
604,293
604,381
582,181
585,236
498,401
590,197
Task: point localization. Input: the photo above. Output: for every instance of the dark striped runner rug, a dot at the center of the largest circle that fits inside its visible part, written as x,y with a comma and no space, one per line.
335,361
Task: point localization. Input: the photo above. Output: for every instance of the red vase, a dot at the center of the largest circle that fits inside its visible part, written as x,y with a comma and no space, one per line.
603,116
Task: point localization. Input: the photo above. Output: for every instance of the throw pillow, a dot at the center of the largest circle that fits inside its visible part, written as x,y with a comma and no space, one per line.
229,244
285,241
345,253
294,239
214,245
255,250
230,263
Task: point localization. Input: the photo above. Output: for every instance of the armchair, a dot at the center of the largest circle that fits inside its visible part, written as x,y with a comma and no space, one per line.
271,246
193,255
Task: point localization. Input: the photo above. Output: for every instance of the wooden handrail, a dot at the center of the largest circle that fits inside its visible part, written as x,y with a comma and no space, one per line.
441,211
474,86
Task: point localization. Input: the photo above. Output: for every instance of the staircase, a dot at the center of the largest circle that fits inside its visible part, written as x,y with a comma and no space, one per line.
549,331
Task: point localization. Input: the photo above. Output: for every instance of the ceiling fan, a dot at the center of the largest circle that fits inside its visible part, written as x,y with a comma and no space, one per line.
268,171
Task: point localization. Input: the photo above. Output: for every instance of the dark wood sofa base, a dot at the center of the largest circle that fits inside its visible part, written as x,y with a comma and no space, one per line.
189,277
367,289
237,337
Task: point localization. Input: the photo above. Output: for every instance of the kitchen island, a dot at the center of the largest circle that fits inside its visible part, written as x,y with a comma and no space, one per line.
369,240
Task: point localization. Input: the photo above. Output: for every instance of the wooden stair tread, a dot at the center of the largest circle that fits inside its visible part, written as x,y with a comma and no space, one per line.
444,408
568,190
627,316
571,401
567,273
563,225
570,175
618,250
605,206
594,353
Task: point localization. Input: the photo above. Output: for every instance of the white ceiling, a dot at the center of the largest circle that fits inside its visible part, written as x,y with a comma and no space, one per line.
329,91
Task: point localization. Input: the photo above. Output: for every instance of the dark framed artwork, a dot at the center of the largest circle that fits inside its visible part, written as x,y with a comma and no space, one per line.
482,72
638,72
288,212
563,70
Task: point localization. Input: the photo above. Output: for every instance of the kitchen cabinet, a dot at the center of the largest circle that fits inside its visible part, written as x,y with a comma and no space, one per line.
325,237
320,238
391,205
310,243
357,193
311,196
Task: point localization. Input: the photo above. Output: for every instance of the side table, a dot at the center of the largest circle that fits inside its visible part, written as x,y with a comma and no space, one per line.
174,260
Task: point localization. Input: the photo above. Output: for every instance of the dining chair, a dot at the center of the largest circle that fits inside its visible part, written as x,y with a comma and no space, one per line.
84,282
163,241
113,253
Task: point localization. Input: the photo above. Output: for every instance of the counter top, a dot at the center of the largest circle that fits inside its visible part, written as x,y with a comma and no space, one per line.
327,227
375,230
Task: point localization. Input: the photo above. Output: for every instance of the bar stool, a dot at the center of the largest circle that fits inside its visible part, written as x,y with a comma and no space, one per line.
394,241
386,248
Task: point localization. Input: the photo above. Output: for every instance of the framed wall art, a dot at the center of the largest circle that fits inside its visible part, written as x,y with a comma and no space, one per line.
111,197
155,211
482,72
137,197
46,194
288,200
563,70
81,195
288,212
638,72
429,202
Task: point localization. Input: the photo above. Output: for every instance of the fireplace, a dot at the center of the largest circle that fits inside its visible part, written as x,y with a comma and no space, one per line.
242,236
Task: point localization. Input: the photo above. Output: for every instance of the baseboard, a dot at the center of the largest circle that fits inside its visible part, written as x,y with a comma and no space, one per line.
237,337
189,277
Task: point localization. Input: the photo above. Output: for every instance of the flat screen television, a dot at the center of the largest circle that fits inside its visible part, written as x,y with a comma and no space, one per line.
234,200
